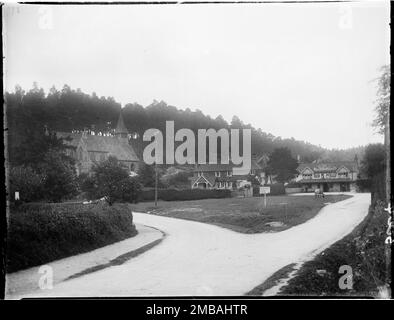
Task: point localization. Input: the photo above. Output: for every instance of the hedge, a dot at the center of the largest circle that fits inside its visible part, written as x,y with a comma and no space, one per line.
185,194
275,189
41,232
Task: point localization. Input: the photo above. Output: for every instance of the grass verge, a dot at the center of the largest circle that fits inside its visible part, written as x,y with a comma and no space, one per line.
363,250
245,215
272,280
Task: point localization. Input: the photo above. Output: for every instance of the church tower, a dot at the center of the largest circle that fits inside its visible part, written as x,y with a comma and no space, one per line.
121,130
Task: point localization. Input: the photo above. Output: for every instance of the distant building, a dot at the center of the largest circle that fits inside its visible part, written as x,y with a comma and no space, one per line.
224,176
336,176
88,147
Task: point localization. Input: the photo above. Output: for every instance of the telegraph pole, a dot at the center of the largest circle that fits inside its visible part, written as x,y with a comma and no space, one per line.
156,180
156,175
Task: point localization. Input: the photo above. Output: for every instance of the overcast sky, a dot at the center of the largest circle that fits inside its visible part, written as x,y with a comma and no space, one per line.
302,70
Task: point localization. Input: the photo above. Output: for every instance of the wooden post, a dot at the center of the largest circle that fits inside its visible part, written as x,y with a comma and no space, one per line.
265,199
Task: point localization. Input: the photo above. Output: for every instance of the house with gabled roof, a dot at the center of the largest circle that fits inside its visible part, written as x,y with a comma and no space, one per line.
337,176
88,147
224,176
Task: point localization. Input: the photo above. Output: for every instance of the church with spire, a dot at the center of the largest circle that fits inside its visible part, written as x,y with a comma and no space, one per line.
88,147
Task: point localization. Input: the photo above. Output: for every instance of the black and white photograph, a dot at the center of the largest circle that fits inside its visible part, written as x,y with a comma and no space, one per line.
197,149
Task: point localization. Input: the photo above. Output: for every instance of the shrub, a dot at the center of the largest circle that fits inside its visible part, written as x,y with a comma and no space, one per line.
187,194
86,184
177,179
129,190
277,189
27,182
112,181
60,178
146,174
39,233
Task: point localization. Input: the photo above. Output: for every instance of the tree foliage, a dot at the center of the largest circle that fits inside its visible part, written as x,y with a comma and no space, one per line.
60,177
111,180
282,164
373,162
146,175
383,101
69,109
27,182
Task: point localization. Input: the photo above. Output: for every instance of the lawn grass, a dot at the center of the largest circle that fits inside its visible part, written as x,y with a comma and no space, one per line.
245,215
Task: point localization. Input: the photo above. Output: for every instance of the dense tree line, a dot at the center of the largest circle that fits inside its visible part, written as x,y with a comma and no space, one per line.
69,109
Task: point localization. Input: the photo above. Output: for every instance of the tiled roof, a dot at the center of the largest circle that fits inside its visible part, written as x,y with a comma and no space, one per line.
224,167
325,180
328,166
70,139
112,145
214,167
209,178
233,178
121,128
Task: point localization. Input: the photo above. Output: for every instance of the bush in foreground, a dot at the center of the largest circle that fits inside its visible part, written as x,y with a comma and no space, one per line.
40,233
27,182
111,180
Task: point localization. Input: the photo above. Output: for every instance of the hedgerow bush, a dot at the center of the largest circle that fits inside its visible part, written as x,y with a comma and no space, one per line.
276,189
187,194
27,182
39,233
110,180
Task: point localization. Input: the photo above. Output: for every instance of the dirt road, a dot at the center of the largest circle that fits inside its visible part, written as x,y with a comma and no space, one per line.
198,259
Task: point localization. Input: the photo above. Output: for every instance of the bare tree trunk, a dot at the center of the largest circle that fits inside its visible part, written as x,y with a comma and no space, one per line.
388,168
388,197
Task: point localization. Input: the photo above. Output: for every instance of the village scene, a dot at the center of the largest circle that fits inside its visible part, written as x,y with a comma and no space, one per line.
87,216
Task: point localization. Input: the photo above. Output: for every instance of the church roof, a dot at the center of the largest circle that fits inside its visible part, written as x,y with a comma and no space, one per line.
224,167
120,127
107,144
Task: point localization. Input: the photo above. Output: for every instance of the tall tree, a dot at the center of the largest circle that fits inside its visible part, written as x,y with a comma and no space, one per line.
373,162
383,100
112,181
282,164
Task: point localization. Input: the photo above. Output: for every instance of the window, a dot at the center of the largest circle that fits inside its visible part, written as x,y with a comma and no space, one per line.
229,174
217,173
316,175
79,154
102,157
343,174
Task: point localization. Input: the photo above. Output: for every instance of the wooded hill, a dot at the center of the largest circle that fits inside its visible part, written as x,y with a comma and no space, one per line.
69,109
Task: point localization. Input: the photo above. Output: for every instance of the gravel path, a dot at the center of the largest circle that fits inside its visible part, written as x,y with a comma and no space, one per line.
197,259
